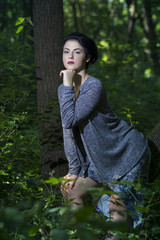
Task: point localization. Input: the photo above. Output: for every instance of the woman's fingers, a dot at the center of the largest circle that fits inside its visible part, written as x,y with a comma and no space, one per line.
69,183
68,76
67,187
61,73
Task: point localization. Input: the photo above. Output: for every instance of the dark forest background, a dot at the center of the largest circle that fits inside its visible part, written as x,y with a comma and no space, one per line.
32,162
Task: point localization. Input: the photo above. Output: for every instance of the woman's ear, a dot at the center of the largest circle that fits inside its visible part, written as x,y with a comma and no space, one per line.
88,58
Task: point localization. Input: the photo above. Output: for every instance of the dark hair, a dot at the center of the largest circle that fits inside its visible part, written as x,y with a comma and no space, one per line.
87,43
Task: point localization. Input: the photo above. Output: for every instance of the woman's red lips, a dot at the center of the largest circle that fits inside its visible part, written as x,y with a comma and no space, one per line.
70,62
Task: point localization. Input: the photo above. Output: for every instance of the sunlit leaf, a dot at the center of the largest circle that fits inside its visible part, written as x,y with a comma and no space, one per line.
19,21
52,180
19,29
33,231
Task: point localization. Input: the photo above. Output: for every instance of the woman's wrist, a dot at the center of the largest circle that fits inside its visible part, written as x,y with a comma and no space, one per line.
71,176
67,83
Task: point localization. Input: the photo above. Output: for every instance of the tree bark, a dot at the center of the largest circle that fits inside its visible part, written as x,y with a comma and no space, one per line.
73,4
154,144
149,30
132,9
48,34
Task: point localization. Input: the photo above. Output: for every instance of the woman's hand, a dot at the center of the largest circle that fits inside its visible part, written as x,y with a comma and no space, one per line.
68,76
68,185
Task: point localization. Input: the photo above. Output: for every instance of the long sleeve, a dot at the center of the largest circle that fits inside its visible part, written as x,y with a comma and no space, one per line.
74,112
70,152
69,144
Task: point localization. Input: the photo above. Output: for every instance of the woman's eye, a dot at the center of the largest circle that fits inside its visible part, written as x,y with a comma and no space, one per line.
77,52
65,52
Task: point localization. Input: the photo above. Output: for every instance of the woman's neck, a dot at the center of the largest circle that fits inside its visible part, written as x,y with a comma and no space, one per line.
80,78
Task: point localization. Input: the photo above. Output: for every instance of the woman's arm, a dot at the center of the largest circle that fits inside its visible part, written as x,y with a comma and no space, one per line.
71,153
74,112
69,144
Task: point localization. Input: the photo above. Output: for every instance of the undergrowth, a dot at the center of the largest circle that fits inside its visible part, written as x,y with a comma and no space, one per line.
27,211
48,217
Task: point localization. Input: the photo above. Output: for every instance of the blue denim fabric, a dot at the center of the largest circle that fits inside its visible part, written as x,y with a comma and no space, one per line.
129,195
92,174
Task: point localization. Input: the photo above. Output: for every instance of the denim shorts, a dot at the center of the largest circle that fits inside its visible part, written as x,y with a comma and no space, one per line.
127,189
92,174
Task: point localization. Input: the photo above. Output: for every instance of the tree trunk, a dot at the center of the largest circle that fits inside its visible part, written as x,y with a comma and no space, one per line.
48,34
154,144
74,11
132,10
149,30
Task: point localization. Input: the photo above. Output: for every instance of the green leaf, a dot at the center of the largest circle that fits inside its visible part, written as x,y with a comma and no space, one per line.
19,29
25,66
61,210
52,180
29,21
84,233
142,208
60,235
33,231
19,21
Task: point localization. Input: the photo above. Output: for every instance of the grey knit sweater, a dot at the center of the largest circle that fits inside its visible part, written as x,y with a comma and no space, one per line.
111,145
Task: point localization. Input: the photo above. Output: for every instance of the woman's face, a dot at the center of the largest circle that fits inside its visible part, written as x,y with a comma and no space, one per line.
74,56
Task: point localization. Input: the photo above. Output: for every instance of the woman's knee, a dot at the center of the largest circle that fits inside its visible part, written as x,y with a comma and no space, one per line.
76,192
79,190
117,208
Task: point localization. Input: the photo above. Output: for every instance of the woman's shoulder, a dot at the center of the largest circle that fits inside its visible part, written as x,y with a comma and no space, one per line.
94,81
96,84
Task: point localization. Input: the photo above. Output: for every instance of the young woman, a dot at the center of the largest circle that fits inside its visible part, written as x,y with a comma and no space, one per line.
99,146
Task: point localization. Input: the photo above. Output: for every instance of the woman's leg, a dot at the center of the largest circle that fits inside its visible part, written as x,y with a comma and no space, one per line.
79,190
117,212
117,209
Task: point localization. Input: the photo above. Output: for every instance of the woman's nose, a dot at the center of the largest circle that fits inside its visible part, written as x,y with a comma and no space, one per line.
71,55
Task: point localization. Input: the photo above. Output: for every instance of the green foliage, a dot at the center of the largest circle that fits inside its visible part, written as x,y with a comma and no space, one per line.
43,220
21,22
17,72
123,66
26,211
19,146
20,183
10,10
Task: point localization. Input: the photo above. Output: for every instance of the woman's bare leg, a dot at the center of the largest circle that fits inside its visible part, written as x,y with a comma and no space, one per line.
79,190
117,209
117,212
